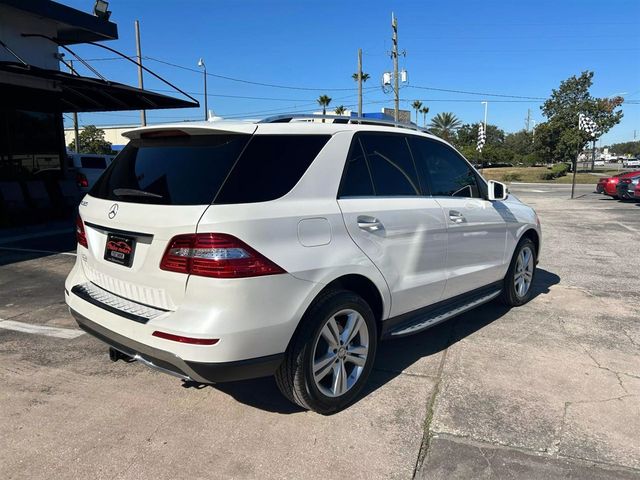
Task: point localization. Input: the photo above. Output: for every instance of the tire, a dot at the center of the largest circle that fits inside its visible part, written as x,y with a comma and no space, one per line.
513,294
310,350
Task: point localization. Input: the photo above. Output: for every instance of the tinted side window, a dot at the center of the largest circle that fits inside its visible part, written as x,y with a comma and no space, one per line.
270,167
357,179
449,175
93,162
391,165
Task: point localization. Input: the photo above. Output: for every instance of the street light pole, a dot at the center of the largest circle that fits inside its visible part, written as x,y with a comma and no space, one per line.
486,104
202,65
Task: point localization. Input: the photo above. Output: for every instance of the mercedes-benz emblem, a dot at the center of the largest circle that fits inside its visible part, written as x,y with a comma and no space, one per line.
113,211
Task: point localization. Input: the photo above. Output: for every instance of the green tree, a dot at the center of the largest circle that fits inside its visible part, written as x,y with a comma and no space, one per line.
365,77
424,111
626,148
324,101
559,136
340,109
416,105
444,125
91,140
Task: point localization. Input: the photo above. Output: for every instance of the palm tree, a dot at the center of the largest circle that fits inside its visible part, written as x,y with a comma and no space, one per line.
340,109
416,105
444,125
365,77
324,101
424,111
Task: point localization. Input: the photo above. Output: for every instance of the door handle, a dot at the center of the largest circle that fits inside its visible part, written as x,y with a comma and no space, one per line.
456,217
369,224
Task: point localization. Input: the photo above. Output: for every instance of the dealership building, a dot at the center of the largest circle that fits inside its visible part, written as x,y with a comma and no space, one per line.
35,93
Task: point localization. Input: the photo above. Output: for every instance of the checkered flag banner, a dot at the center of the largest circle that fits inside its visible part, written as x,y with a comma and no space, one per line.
482,137
588,125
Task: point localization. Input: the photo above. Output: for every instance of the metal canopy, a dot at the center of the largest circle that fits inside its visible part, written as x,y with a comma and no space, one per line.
54,91
71,25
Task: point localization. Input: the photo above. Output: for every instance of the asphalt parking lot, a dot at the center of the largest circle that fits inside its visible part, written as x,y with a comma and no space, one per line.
547,390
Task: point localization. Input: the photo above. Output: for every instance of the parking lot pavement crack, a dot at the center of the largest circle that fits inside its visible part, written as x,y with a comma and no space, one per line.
408,374
427,434
482,443
486,459
555,448
633,342
594,360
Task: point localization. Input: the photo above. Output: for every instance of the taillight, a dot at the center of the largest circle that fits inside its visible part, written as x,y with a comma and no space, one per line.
81,180
217,255
81,235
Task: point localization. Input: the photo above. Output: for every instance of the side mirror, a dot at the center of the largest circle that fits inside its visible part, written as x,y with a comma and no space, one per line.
497,191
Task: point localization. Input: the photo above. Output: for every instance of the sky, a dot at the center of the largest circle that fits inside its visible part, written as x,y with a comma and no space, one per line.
306,48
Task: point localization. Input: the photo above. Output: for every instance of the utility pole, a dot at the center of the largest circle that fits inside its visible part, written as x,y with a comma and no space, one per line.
394,54
143,114
360,82
528,119
76,132
202,65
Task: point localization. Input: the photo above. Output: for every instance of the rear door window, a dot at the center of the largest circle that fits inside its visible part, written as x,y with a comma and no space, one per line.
270,167
356,181
391,165
93,162
182,170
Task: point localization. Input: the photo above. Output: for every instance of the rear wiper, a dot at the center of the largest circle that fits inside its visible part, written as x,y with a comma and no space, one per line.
132,192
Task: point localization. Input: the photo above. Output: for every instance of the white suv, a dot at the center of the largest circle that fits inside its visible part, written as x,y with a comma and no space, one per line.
222,251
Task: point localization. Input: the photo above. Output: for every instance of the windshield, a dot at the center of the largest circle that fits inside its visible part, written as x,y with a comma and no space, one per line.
186,170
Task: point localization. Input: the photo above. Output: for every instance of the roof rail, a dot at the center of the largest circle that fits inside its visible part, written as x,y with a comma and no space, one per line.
286,118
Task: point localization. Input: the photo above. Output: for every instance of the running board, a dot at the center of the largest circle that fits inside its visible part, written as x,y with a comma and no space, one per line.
422,319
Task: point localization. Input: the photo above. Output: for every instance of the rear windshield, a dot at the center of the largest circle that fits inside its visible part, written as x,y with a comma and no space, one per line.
196,170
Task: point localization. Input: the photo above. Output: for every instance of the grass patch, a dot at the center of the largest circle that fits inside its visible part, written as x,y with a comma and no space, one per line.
535,174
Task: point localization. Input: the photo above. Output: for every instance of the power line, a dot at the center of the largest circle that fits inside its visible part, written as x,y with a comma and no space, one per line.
466,92
262,84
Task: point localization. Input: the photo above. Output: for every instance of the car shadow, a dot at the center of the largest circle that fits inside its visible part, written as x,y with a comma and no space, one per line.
41,245
393,357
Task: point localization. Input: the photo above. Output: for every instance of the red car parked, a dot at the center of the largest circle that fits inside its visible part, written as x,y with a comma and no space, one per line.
636,193
609,184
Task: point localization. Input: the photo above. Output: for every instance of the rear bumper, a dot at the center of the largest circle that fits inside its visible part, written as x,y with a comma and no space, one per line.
174,365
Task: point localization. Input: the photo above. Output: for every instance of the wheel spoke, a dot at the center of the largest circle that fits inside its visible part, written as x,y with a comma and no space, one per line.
351,329
331,333
322,366
357,350
339,379
359,361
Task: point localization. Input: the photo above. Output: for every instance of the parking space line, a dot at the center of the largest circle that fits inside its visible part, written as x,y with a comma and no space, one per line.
631,229
67,333
32,250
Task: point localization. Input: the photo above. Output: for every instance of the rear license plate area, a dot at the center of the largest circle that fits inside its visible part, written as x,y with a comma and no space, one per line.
119,249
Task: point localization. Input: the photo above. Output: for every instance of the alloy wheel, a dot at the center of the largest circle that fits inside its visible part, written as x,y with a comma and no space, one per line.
340,353
523,275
